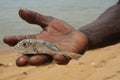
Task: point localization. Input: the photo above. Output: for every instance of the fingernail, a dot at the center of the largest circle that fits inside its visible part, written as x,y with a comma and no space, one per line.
22,10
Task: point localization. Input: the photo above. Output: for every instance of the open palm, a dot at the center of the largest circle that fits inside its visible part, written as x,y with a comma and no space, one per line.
55,31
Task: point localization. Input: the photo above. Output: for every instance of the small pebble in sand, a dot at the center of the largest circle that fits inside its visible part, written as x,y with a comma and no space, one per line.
93,64
24,73
3,65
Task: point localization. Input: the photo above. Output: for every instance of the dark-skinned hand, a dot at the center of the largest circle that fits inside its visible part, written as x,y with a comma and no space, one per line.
53,30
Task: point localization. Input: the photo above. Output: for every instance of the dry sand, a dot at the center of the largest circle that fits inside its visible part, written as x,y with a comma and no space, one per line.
99,64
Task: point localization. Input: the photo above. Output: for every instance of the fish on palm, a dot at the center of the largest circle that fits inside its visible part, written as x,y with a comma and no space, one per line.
35,46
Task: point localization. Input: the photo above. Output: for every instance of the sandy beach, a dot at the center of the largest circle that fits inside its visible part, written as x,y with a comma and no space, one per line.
99,64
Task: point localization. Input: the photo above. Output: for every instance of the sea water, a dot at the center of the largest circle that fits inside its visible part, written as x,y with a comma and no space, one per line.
76,12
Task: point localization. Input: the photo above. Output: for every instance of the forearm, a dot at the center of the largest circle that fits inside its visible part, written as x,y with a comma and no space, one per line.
105,30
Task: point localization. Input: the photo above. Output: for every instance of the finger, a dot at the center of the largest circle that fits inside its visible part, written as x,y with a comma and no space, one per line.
39,60
22,60
13,40
35,18
62,60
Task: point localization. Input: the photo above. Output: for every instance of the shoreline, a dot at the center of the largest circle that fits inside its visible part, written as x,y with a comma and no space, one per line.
6,48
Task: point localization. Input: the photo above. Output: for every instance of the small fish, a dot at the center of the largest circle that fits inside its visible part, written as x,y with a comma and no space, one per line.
35,46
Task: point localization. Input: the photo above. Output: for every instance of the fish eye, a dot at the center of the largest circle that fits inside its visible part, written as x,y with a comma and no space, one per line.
25,44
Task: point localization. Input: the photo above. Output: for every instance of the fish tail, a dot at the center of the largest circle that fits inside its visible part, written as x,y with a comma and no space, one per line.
72,55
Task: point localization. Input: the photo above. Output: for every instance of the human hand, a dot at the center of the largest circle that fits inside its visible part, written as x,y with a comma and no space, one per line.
55,31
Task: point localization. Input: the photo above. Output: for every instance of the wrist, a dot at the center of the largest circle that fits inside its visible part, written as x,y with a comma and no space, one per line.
85,42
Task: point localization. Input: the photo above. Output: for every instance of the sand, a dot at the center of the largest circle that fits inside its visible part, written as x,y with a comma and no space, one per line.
99,64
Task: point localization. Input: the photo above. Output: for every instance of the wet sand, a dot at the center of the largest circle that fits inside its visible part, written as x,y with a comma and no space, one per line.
99,64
